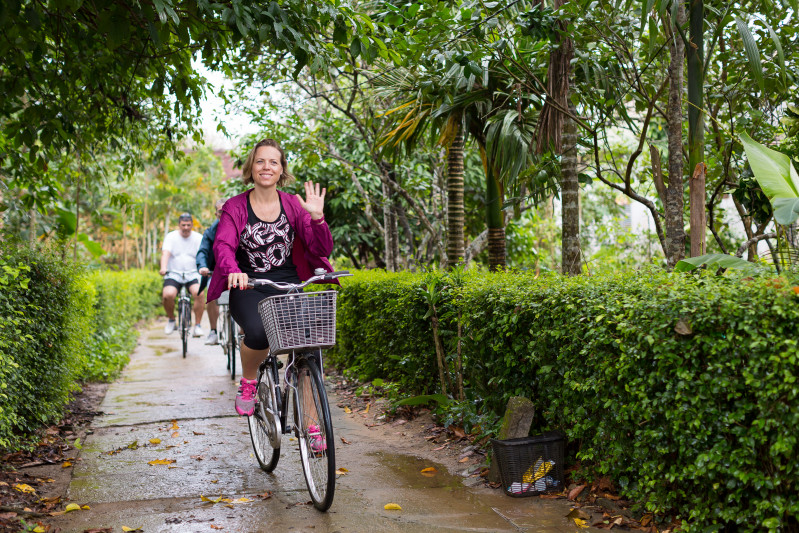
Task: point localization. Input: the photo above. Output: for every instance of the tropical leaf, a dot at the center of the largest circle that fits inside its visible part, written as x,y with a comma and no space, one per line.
786,210
441,399
773,170
752,52
780,53
716,260
93,247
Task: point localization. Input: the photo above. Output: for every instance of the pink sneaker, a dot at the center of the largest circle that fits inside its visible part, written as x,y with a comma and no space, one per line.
245,399
318,442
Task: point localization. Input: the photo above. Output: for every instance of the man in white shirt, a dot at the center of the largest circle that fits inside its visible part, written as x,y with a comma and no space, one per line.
179,268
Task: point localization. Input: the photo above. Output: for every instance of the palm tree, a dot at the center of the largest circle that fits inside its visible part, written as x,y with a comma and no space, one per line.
557,131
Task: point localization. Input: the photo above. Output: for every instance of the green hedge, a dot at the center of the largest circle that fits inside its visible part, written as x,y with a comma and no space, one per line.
123,298
59,326
682,388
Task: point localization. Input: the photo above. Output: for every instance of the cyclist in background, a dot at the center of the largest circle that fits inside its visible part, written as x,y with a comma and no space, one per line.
205,264
179,253
268,234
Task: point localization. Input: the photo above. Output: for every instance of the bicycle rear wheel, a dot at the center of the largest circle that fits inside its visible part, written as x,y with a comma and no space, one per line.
185,324
314,431
265,431
233,342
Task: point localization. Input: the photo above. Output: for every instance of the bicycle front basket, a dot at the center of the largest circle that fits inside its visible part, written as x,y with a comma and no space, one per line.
295,321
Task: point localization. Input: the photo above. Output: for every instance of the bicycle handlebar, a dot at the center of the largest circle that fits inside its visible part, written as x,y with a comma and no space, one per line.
181,273
327,276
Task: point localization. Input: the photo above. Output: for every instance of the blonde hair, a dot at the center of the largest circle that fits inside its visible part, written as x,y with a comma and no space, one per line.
246,171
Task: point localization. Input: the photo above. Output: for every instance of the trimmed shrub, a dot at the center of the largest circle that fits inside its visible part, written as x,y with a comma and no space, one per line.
673,385
54,308
60,326
123,298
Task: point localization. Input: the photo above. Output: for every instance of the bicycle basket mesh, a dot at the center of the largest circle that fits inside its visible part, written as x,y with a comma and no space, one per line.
302,320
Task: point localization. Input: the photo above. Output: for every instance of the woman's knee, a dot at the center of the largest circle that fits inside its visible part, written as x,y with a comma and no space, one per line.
256,340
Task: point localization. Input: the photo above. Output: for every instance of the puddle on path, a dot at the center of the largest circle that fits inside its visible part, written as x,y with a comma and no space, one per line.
407,469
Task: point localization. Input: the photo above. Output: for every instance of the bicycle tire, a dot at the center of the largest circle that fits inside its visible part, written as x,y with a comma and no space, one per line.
185,323
223,332
318,465
264,434
233,340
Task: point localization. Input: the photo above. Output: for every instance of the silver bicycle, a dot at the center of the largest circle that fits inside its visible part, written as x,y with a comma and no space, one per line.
299,324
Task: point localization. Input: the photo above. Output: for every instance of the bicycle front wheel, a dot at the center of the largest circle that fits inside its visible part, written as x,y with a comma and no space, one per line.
233,342
265,430
314,431
185,324
223,332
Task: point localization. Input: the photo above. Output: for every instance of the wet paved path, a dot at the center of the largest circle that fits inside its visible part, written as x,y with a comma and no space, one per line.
212,455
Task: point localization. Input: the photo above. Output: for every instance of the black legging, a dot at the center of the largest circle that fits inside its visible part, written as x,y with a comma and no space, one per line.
244,309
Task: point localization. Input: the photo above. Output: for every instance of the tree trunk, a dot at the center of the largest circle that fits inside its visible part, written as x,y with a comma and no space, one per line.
570,194
494,221
675,225
125,237
32,225
455,209
696,126
390,235
77,220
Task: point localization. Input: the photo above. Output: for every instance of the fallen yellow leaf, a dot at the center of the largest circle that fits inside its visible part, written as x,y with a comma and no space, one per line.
207,499
342,472
463,460
368,405
22,487
126,528
72,507
86,508
580,522
161,462
347,410
392,507
429,471
155,441
174,425
176,434
66,464
242,500
39,529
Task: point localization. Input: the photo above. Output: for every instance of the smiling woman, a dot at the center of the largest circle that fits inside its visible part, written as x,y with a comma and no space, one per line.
266,234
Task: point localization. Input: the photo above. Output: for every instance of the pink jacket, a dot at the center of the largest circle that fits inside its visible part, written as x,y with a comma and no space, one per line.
313,241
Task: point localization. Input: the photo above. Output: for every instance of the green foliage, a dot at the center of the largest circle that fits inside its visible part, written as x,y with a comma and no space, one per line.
394,343
673,385
716,261
51,306
123,298
58,327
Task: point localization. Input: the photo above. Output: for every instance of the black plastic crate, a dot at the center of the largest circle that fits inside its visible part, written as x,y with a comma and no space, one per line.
530,465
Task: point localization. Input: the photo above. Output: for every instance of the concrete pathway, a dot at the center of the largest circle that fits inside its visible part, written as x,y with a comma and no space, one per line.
165,407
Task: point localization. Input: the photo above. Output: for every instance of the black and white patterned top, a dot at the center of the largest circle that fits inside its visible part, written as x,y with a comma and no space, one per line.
265,248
